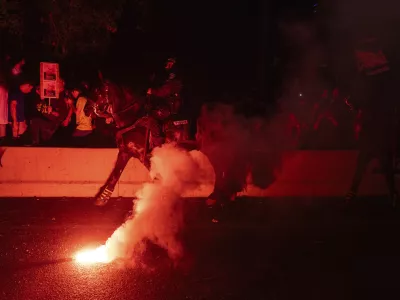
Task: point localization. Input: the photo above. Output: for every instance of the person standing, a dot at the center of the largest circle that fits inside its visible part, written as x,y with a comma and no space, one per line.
84,127
3,108
50,115
165,90
17,109
374,96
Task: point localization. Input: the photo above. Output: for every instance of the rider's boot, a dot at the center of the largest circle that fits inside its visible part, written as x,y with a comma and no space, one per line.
104,196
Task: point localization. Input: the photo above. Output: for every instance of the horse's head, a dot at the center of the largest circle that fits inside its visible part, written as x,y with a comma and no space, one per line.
101,93
118,100
100,97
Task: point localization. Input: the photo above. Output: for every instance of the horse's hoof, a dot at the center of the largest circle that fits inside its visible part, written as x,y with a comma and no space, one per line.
350,196
104,197
100,202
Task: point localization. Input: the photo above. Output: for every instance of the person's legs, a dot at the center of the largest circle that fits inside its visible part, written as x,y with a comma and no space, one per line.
386,161
18,129
229,180
364,157
48,131
81,133
35,130
15,128
81,138
217,199
2,131
22,128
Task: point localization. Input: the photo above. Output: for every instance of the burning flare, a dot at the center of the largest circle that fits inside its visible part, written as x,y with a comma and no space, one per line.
158,215
98,255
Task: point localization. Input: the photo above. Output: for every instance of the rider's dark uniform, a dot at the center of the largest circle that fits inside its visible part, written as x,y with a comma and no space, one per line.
374,96
176,128
164,101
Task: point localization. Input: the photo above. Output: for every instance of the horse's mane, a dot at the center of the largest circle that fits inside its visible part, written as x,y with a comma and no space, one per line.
123,96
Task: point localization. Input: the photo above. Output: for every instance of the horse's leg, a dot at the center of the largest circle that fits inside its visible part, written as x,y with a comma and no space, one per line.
219,187
225,189
107,190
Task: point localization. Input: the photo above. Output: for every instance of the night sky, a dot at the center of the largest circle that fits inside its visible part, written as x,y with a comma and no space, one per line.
216,40
222,46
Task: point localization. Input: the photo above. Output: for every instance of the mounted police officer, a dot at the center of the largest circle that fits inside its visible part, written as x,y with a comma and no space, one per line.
164,101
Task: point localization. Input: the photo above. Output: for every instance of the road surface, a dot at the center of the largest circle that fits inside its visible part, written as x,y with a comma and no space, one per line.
265,249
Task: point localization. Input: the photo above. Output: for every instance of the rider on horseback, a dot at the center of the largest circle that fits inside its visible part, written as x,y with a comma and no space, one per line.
163,101
176,126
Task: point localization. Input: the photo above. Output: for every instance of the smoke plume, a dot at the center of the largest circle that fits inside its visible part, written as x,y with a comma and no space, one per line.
238,146
158,211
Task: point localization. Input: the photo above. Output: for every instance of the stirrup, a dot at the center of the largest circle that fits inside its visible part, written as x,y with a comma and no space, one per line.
104,197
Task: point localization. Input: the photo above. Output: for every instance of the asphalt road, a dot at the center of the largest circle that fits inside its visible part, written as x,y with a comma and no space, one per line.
265,249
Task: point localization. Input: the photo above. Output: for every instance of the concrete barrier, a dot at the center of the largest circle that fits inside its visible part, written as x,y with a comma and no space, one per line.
71,172
320,174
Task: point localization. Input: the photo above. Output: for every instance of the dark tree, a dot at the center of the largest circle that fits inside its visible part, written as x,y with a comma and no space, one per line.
79,26
11,19
66,26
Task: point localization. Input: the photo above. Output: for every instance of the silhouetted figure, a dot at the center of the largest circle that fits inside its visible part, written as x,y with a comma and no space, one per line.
374,96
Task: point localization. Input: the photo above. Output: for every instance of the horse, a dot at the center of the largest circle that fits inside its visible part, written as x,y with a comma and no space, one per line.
238,148
126,110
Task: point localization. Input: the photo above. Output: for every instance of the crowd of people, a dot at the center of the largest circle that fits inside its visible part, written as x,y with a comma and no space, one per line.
322,119
318,120
134,125
27,119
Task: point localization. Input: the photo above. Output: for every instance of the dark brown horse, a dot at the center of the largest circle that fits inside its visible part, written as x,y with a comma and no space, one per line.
126,110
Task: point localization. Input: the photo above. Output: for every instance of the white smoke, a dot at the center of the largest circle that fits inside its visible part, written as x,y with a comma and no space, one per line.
158,210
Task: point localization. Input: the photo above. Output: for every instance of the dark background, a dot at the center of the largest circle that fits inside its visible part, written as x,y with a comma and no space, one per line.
225,49
222,46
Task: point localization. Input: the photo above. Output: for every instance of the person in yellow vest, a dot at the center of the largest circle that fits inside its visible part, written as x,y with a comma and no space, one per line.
84,126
